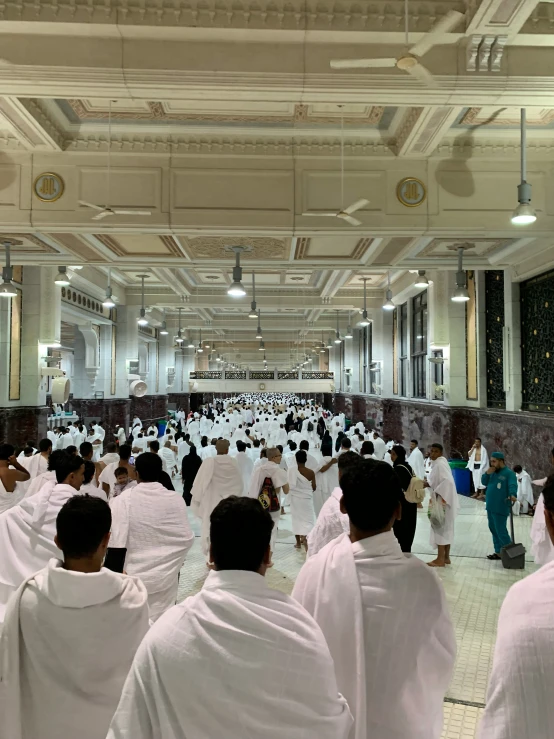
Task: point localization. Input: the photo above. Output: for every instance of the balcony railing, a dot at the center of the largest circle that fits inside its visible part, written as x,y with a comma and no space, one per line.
259,375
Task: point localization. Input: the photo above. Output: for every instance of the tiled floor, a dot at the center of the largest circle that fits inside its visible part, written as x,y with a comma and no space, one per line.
475,590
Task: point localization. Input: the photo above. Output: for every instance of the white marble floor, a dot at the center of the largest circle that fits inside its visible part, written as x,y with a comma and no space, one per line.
475,590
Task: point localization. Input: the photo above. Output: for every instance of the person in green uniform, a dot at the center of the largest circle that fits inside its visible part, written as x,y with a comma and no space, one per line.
501,491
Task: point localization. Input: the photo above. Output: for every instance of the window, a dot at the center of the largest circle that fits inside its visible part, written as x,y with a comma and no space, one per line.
438,375
419,344
403,335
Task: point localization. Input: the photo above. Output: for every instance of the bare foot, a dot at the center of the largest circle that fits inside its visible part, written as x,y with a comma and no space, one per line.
447,561
420,505
282,510
436,563
298,546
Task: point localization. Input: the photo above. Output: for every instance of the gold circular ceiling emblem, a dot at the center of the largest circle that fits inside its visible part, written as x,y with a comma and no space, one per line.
48,187
411,192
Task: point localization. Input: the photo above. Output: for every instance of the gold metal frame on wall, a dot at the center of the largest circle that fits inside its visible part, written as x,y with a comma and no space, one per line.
56,177
399,196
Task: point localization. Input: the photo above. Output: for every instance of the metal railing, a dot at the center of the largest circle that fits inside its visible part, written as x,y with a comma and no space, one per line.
260,375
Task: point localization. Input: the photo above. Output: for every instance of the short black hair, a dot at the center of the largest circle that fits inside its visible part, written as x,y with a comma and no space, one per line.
90,469
56,459
367,448
477,438
241,446
548,493
125,451
71,450
6,451
304,445
204,441
371,493
345,443
85,449
301,457
82,523
347,459
149,467
111,447
66,466
155,446
28,451
518,468
256,443
121,471
292,445
414,441
400,452
44,445
240,532
438,446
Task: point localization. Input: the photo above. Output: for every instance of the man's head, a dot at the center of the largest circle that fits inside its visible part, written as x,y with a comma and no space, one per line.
292,445
222,446
167,444
204,441
149,467
241,446
6,451
154,446
413,445
367,448
86,450
273,454
121,476
497,460
90,469
240,534
375,435
70,471
301,457
371,495
125,452
45,446
518,469
111,447
477,443
304,445
345,443
436,451
347,460
55,459
83,530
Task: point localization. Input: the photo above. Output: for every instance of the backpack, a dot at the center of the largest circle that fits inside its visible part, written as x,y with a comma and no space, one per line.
268,496
310,426
416,490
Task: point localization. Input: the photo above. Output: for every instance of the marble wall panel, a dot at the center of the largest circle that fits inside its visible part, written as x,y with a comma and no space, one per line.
21,424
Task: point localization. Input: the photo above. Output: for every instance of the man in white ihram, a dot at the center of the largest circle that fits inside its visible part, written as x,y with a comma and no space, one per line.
519,697
238,660
151,534
269,468
415,460
70,634
478,463
218,478
443,493
379,446
383,615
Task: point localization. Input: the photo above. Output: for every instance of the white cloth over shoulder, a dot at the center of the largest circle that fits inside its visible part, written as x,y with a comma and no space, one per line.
441,482
519,699
151,522
237,660
301,503
9,500
330,524
541,546
385,619
246,465
99,619
416,462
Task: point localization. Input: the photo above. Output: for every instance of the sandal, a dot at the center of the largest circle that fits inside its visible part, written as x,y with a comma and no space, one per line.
493,556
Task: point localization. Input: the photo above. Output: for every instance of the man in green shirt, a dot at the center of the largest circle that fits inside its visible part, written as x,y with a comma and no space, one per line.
501,484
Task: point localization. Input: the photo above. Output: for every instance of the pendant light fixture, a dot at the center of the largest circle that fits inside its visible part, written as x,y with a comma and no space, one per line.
329,343
461,294
200,349
348,334
253,313
388,304
218,358
259,334
236,290
108,301
62,278
163,327
179,338
421,280
524,214
142,320
262,346
7,289
364,320
338,339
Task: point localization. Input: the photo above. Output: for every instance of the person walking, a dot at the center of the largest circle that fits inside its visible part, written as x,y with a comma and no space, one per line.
501,491
405,527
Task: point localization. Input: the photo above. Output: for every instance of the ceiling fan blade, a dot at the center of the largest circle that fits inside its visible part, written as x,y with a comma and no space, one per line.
103,214
91,205
321,215
423,75
446,24
363,63
349,219
358,205
132,212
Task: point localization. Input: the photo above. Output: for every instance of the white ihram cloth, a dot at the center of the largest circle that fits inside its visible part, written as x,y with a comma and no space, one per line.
151,522
238,660
519,699
477,472
246,465
68,642
204,452
541,546
301,499
417,463
169,459
37,465
182,450
442,484
217,478
525,491
91,489
39,481
385,619
279,478
325,483
379,448
27,537
330,524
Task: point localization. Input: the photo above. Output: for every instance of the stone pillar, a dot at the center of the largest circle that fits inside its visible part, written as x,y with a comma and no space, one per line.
512,344
126,346
455,367
383,350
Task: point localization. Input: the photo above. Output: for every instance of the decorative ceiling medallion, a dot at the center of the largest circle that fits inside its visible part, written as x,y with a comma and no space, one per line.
48,187
411,192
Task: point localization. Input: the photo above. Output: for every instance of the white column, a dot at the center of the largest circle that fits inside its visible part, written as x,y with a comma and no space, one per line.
455,367
383,350
33,387
512,343
126,346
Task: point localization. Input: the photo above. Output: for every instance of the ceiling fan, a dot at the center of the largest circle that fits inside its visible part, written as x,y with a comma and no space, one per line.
344,214
103,211
410,60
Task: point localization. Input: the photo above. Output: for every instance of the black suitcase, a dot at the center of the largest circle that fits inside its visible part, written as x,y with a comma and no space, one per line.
513,555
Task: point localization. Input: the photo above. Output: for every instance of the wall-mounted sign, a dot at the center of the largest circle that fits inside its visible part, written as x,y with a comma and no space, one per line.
411,192
48,187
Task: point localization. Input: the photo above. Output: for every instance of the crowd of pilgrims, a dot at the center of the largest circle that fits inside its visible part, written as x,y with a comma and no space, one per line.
93,537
